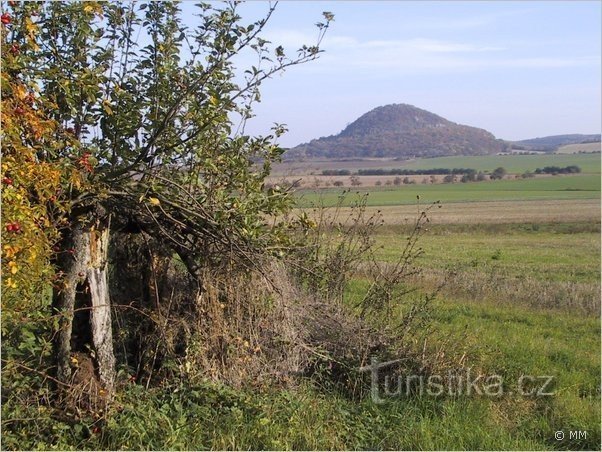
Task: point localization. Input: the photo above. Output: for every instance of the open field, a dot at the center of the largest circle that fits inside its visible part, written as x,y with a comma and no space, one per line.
549,266
589,163
518,263
518,164
496,212
514,251
548,188
576,148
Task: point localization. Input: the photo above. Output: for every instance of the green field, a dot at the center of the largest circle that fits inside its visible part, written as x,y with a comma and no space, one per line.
517,297
589,163
514,164
544,188
543,252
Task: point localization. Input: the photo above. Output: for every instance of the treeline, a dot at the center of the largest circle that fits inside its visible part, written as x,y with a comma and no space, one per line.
398,172
413,172
571,169
336,172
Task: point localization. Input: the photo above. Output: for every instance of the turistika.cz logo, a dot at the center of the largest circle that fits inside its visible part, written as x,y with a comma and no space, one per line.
386,382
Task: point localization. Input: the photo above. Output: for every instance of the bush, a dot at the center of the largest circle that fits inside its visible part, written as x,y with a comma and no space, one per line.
355,181
498,173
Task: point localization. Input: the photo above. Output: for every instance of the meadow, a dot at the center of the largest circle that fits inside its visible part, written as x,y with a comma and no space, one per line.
516,264
540,188
515,163
589,163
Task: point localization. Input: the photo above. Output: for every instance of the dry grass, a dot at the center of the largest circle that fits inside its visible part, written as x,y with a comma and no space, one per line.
317,166
576,148
492,212
489,286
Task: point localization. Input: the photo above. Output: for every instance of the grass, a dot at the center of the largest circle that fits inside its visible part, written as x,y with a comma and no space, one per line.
516,164
547,188
514,251
550,266
507,341
585,213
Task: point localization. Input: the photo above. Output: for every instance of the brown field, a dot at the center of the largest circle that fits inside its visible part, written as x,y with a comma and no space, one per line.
492,212
576,148
290,169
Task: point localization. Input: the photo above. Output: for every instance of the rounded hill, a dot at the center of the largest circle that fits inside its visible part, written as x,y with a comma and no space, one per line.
401,131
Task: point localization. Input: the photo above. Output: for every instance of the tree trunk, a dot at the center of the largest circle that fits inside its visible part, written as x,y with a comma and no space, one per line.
83,303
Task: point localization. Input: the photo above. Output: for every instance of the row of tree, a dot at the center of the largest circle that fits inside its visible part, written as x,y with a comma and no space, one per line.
571,169
412,172
469,173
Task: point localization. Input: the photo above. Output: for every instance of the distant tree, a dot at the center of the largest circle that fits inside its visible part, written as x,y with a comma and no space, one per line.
481,176
338,183
469,176
378,183
355,181
498,173
397,181
406,180
388,182
449,179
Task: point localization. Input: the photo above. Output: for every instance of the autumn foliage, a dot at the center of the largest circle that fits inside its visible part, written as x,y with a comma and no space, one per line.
34,179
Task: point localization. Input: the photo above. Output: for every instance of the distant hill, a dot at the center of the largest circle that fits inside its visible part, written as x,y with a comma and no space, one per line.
553,142
401,131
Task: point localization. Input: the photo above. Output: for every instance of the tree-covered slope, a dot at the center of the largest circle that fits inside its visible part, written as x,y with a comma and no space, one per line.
401,130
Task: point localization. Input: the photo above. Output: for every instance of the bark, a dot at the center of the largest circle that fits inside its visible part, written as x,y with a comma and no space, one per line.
83,302
100,317
193,266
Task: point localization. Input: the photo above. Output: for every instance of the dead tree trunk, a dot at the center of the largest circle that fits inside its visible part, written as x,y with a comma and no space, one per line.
83,303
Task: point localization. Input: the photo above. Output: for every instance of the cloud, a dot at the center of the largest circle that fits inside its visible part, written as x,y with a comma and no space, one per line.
428,45
424,55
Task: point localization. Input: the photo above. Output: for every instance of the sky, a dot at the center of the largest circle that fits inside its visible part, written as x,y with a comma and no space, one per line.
519,69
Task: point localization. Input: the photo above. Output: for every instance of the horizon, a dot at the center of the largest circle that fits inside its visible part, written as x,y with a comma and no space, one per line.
519,70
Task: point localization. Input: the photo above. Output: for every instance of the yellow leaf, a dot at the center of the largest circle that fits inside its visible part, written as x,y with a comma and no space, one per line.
154,201
10,283
106,106
14,268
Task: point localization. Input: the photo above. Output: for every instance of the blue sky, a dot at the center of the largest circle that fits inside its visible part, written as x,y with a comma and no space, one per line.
518,69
